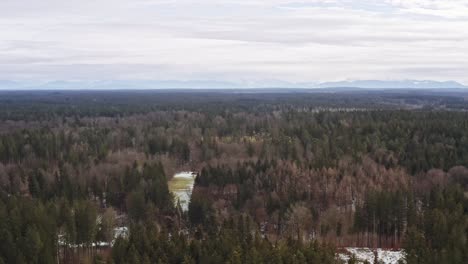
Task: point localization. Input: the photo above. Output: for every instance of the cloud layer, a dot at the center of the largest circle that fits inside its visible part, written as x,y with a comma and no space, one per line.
310,40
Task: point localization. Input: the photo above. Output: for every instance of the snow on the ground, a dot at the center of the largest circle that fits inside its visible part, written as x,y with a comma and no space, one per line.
384,256
185,175
118,232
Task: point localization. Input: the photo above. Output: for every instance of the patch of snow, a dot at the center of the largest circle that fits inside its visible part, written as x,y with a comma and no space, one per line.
389,256
184,175
118,232
384,256
100,244
343,257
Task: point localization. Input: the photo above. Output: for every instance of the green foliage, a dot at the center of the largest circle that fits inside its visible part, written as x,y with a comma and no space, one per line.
384,213
85,221
441,236
229,245
283,164
27,231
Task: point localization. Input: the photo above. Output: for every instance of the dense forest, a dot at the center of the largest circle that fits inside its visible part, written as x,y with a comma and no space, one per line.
283,176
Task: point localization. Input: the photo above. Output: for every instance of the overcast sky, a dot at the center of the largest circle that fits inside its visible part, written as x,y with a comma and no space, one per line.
232,40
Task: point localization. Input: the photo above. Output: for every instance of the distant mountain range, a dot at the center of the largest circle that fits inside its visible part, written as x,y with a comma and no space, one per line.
409,84
208,84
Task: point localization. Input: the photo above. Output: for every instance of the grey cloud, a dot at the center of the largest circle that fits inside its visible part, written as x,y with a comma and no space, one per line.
294,40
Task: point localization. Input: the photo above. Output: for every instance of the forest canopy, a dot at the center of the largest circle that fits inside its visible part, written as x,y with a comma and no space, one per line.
283,176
